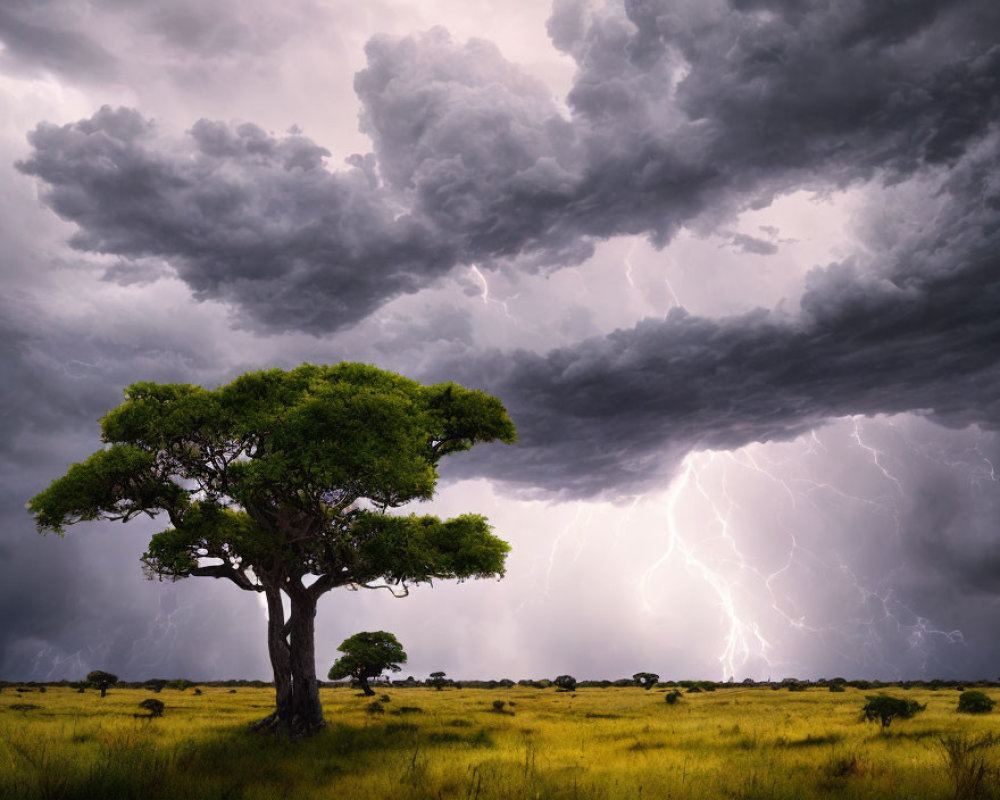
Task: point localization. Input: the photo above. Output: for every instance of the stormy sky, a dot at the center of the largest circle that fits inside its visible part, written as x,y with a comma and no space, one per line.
733,266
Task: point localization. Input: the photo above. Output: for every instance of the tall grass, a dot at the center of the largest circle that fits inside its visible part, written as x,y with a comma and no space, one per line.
592,743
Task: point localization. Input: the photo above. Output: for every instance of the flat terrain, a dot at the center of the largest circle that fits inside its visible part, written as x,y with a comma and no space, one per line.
594,743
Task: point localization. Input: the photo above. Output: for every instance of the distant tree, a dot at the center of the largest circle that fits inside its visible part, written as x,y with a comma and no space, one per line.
101,680
885,709
280,482
366,656
437,680
974,701
647,680
155,684
565,683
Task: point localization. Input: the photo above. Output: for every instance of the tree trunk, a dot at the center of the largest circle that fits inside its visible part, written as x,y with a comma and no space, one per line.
307,712
363,680
281,663
292,650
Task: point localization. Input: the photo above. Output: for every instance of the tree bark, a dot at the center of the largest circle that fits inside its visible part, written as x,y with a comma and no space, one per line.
307,712
292,650
281,664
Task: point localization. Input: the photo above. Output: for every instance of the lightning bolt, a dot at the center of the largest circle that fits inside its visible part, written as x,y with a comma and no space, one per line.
743,638
485,295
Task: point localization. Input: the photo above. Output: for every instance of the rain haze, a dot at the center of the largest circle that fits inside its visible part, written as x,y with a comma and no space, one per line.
733,267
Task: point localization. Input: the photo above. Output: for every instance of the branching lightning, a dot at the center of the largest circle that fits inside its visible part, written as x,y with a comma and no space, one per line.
762,605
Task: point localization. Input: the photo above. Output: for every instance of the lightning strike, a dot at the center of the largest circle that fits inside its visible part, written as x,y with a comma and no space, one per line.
742,639
874,454
485,295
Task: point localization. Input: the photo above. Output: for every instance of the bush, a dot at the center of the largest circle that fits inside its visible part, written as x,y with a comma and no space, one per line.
975,702
565,683
375,707
153,706
672,697
885,709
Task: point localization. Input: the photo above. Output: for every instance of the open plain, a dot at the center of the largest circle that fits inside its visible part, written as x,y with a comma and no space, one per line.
734,742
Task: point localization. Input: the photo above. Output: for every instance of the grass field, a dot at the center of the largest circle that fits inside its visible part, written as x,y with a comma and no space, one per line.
594,743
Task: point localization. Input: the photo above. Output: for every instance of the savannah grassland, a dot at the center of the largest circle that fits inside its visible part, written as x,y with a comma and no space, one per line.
593,743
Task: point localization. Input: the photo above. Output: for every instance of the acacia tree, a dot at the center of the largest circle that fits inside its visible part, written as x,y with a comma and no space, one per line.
367,655
102,680
280,482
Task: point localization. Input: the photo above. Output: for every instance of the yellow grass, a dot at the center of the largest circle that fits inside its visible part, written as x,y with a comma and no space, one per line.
594,743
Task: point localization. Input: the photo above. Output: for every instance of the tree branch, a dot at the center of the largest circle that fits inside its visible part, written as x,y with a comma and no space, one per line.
225,571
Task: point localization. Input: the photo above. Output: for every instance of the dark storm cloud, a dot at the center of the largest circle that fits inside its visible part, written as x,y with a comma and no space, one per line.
242,215
917,330
678,112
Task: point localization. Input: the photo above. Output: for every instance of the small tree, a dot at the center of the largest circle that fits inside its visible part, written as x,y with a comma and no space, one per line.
155,684
367,655
438,680
565,683
101,680
647,680
885,709
975,702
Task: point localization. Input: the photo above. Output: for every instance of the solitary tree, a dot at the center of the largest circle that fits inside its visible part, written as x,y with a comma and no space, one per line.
101,680
280,482
885,709
438,680
647,680
367,655
565,683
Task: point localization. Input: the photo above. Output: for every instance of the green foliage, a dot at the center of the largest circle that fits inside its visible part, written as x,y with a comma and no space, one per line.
974,701
886,708
238,467
565,683
673,696
367,655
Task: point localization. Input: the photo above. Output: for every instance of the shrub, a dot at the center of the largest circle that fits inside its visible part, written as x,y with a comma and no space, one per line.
672,697
375,707
886,708
153,706
975,702
565,683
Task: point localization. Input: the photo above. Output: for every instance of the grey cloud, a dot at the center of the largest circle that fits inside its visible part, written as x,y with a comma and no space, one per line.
919,332
680,114
35,44
744,243
241,215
